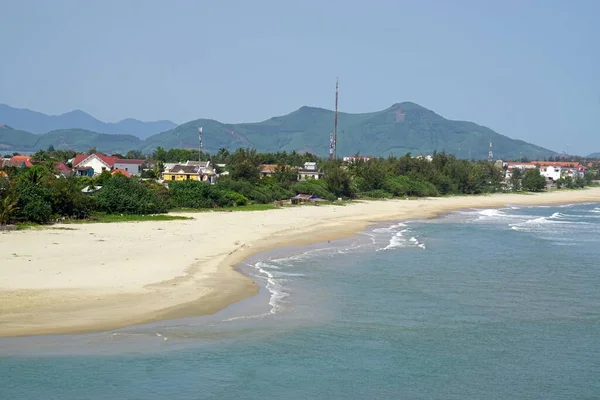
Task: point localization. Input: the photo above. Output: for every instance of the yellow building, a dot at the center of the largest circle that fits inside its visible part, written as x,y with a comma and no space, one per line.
190,171
182,173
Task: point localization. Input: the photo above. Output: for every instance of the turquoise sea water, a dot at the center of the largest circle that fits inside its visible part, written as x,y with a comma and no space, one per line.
479,304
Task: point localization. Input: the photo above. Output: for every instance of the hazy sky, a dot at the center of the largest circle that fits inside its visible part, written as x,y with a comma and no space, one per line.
527,69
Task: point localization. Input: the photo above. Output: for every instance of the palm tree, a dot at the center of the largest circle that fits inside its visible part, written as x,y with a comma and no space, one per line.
8,206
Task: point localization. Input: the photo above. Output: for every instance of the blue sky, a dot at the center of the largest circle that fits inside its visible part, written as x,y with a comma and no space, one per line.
528,69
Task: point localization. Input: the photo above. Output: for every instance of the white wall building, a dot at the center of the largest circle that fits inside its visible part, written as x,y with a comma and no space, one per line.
134,167
551,172
310,171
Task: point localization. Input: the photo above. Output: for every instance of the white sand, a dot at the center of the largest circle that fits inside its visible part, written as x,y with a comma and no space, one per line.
93,277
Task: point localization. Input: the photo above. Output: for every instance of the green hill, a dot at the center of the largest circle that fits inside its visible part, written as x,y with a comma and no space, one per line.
402,128
73,139
594,155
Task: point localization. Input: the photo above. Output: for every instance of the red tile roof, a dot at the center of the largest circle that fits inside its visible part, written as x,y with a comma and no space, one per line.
62,167
16,161
127,161
2,173
108,160
121,171
557,163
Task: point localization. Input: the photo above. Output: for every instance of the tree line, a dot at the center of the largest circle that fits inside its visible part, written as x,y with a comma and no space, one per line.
39,194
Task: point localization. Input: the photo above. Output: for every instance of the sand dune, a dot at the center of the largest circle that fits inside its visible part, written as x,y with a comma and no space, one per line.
94,277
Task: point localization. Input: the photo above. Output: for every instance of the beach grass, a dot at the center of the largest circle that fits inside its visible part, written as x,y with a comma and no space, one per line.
110,218
249,207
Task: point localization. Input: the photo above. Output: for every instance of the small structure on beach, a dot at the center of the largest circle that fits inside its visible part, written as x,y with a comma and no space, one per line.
306,198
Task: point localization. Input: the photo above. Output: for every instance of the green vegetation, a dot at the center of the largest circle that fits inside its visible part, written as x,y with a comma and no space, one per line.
38,195
404,127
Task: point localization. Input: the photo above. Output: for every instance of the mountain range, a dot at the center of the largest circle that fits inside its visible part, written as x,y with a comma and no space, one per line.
36,122
401,128
594,155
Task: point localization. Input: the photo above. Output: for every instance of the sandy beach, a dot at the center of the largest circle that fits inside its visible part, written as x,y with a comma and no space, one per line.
96,277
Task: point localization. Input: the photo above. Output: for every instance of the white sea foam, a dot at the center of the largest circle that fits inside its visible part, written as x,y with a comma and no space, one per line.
273,285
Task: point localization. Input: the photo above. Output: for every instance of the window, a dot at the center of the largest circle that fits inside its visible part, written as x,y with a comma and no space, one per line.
172,177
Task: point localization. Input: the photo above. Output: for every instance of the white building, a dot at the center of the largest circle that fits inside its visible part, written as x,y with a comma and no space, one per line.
551,172
309,171
134,167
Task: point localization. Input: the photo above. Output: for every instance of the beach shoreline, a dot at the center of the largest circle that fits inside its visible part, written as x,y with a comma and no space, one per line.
98,277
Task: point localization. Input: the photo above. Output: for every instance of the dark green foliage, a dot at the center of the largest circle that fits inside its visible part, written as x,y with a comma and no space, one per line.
68,200
128,196
532,181
338,180
262,192
377,194
195,194
316,187
34,202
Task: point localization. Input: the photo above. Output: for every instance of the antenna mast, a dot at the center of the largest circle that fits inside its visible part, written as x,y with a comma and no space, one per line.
490,154
335,122
200,144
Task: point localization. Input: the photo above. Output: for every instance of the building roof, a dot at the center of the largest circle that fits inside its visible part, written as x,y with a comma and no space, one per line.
202,164
62,167
183,169
120,171
266,168
2,173
557,163
17,161
128,161
108,160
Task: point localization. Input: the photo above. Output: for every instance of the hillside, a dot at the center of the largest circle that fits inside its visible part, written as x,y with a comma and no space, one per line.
594,155
14,140
37,122
402,128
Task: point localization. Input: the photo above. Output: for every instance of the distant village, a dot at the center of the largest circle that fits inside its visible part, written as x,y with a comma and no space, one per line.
91,165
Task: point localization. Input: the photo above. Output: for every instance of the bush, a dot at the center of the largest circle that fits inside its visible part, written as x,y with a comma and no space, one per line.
34,202
313,187
129,196
377,194
194,194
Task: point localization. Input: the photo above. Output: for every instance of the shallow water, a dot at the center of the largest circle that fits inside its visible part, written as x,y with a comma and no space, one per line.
479,304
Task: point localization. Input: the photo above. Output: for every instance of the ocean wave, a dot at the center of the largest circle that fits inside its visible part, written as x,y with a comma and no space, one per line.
399,240
273,285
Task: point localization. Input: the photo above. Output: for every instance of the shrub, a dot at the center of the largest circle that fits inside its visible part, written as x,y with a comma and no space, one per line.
130,196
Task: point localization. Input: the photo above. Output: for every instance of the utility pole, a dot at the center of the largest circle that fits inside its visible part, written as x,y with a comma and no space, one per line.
333,135
200,144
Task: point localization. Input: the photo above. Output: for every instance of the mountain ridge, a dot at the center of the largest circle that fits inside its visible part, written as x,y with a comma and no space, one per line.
399,129
40,123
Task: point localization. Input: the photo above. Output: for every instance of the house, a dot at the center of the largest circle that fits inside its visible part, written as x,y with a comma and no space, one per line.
308,172
62,169
190,170
18,161
551,172
267,170
98,162
351,159
83,171
133,167
270,169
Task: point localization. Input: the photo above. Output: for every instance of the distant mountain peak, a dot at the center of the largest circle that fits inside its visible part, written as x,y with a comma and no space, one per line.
36,122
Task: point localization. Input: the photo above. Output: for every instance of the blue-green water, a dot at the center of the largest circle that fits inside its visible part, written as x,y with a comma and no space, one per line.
479,304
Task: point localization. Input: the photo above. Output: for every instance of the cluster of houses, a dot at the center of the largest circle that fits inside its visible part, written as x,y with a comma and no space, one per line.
95,164
551,170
